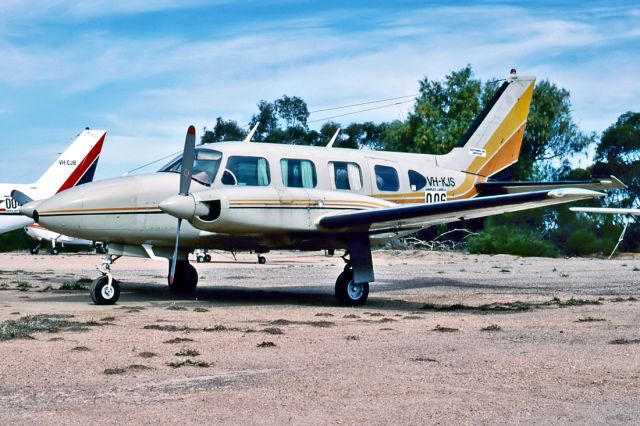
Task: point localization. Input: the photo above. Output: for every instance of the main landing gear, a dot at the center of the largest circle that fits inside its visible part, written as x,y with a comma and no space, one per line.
203,256
348,292
352,285
185,279
105,290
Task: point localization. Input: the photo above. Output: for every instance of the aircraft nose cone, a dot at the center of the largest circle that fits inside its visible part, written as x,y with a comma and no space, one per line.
180,206
29,209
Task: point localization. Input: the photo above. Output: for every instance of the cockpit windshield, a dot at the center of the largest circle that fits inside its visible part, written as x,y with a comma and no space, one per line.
206,163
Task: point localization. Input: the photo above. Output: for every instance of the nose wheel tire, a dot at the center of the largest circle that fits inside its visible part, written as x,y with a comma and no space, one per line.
186,278
104,294
349,293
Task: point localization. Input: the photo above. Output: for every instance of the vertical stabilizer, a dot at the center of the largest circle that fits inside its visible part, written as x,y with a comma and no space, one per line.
75,166
493,141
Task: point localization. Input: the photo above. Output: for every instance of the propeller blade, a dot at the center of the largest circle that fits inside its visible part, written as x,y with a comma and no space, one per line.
172,274
187,160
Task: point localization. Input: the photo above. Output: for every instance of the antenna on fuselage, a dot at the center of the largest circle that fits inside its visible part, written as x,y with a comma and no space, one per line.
250,135
333,138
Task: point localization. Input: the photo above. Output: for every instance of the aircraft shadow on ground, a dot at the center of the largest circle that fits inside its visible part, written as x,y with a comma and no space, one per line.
225,295
435,282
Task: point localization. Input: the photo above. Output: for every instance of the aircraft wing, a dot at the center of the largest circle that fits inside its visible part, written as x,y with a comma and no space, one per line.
390,219
497,187
605,210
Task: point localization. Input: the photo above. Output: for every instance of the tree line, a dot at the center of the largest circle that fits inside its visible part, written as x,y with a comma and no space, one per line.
442,113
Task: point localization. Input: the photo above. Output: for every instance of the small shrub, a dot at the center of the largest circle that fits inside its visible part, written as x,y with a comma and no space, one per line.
178,340
266,345
23,286
505,239
73,286
187,352
188,362
215,327
492,327
581,242
442,329
176,308
590,319
80,349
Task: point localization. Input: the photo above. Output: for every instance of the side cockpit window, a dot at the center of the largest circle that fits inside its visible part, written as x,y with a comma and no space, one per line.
247,171
416,180
206,163
298,173
386,178
345,175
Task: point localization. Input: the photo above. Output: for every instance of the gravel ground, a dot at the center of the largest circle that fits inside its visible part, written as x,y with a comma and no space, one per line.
446,338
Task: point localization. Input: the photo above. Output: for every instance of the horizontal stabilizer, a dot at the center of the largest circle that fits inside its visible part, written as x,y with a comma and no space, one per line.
498,188
20,197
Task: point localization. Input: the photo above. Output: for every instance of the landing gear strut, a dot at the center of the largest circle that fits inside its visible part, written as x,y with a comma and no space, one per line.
352,285
185,279
105,290
35,249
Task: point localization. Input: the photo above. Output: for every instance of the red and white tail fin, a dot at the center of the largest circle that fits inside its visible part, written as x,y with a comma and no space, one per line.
75,166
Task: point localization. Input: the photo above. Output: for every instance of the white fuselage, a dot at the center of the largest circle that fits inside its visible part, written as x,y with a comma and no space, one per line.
261,215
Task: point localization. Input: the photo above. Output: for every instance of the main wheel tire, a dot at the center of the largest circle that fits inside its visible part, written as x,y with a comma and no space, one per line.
55,251
349,293
101,294
200,259
186,278
262,260
34,250
207,258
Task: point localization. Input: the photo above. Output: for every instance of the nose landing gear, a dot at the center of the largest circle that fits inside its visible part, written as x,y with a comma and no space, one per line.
105,290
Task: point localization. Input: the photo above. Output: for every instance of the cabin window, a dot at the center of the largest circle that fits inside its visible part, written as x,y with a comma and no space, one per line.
346,175
298,173
386,178
206,163
247,171
416,180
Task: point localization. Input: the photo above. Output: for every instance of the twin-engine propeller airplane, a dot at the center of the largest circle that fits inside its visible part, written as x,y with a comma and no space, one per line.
75,166
260,197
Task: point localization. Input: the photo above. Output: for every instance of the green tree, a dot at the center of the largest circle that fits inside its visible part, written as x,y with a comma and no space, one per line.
223,131
618,153
551,136
442,114
444,110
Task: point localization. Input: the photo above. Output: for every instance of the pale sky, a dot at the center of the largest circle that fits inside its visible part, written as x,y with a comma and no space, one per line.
146,69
